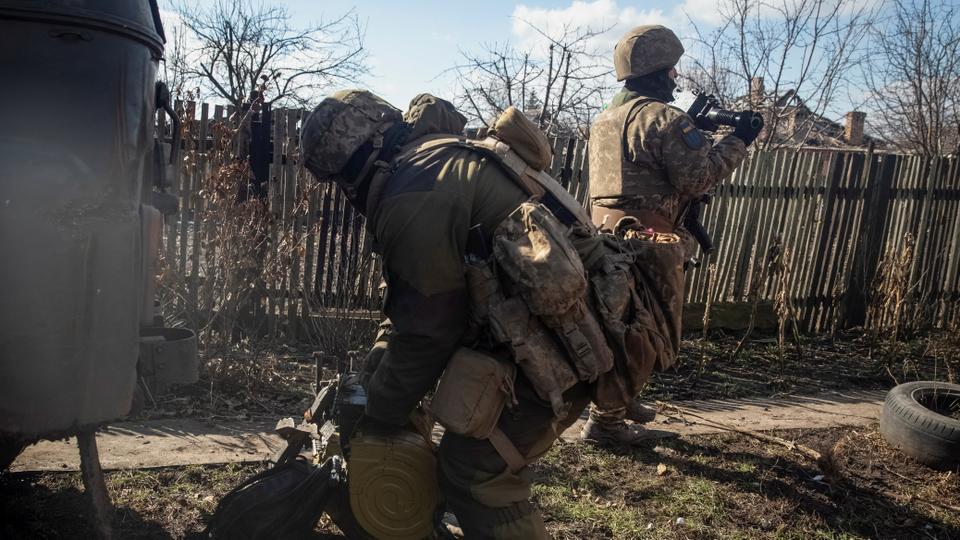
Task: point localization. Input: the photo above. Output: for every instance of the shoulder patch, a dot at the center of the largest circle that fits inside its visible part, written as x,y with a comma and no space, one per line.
691,135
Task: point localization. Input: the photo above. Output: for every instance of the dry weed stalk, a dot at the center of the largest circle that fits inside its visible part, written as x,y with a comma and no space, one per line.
836,305
711,285
891,293
242,250
783,303
767,272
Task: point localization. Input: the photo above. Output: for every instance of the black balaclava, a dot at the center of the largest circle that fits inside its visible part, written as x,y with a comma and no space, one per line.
395,137
657,85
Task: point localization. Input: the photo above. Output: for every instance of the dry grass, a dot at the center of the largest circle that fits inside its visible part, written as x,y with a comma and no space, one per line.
893,310
728,486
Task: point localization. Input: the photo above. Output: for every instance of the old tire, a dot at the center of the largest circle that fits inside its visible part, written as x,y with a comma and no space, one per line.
908,423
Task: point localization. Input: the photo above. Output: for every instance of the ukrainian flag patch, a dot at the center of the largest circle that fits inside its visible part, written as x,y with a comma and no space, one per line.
691,135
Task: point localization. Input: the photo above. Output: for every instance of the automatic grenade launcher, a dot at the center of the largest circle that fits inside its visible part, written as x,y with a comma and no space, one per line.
709,116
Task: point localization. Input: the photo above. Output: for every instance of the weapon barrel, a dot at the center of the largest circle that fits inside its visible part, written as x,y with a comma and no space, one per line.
730,118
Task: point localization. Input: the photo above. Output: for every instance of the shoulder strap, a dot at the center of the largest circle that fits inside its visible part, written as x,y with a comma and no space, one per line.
507,450
537,184
633,108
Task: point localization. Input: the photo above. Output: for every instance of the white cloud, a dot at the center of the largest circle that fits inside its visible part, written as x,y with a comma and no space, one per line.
701,11
585,14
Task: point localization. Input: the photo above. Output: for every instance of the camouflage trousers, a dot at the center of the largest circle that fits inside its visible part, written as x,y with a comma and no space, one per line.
489,500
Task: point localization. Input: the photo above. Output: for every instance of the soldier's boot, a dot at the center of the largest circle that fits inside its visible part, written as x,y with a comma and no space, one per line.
449,528
640,413
620,433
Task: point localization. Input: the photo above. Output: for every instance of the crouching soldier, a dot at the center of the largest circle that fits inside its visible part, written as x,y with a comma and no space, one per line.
433,206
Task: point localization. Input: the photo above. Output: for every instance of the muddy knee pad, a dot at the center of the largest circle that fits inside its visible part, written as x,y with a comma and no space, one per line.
471,472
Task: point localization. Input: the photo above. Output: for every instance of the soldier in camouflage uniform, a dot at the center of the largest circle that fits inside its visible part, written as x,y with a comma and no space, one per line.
420,215
648,161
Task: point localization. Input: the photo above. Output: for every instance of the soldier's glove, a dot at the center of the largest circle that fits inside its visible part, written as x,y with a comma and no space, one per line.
748,128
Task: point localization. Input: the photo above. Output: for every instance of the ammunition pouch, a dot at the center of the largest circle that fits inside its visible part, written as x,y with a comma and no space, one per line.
535,349
472,393
470,397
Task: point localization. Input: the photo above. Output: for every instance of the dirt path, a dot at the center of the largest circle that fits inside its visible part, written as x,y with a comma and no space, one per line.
826,410
174,442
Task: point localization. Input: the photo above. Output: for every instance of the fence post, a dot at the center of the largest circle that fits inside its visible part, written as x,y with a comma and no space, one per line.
869,237
922,259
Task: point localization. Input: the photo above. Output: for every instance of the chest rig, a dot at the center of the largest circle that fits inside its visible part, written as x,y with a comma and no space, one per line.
613,174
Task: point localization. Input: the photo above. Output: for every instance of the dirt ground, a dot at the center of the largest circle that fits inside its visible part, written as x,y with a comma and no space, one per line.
730,486
719,486
279,381
713,486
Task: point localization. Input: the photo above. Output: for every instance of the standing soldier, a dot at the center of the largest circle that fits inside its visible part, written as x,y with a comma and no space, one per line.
648,161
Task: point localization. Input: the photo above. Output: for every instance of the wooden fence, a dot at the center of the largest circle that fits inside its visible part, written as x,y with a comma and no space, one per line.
839,213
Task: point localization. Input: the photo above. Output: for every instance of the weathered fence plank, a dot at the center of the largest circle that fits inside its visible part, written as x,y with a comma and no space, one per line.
838,212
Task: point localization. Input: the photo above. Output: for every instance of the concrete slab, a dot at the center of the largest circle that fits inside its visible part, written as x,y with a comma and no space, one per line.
160,443
185,441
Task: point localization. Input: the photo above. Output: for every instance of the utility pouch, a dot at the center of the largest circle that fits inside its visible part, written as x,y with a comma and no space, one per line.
535,253
531,247
535,349
637,289
472,392
524,137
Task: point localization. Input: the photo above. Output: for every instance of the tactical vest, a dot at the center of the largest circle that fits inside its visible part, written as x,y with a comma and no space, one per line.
532,293
572,304
612,174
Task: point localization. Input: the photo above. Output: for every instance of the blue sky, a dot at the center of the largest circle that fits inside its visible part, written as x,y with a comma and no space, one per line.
411,43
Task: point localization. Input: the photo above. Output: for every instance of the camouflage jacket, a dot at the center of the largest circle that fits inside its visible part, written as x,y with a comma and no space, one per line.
652,157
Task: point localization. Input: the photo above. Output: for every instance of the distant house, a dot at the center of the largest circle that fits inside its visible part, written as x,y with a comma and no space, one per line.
799,126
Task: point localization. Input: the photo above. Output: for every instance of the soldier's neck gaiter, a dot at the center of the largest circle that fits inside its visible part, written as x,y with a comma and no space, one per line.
657,85
395,137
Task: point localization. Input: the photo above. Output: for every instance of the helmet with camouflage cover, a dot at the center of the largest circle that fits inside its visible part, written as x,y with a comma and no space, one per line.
646,49
339,126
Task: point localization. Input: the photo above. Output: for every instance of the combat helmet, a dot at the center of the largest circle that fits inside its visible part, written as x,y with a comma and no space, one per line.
646,49
339,126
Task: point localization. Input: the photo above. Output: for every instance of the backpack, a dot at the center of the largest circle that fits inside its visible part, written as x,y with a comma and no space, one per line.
284,502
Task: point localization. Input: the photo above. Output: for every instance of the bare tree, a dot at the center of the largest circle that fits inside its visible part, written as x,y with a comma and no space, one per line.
175,61
709,68
913,77
242,44
787,58
561,88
